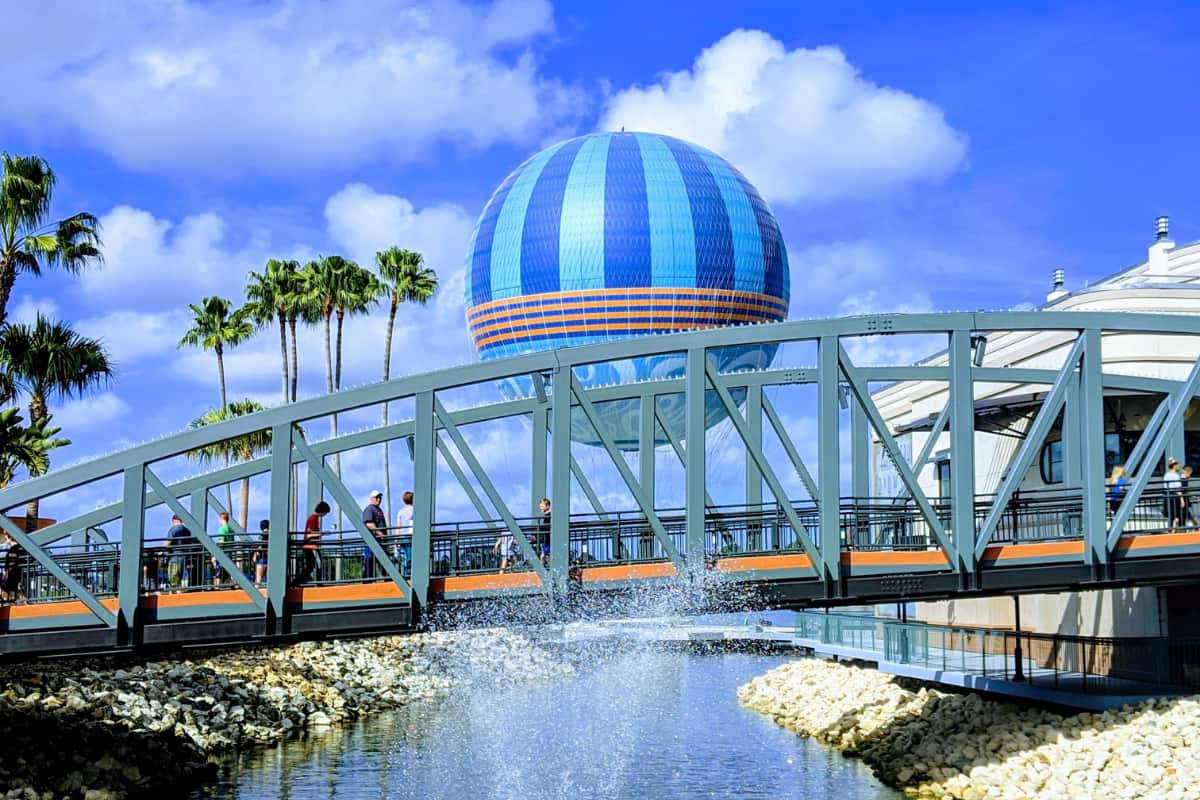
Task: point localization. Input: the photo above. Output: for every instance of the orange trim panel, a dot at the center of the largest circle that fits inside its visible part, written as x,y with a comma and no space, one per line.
622,572
385,590
747,563
475,583
60,609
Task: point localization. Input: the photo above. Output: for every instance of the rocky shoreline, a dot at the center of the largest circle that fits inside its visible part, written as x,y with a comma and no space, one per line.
100,732
932,744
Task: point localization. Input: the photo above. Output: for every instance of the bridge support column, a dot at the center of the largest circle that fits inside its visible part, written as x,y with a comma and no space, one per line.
133,524
962,455
829,462
647,425
1091,435
537,488
424,499
694,466
278,557
860,464
560,480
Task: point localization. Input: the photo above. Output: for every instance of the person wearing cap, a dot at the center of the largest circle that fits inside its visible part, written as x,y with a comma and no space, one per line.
178,543
260,555
376,522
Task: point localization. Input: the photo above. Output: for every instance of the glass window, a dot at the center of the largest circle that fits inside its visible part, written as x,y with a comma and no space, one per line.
943,477
1052,462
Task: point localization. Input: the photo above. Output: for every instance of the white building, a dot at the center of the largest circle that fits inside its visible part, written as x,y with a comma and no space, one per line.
1168,281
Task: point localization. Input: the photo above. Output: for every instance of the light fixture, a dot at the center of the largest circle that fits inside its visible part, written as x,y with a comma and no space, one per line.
843,396
412,448
978,347
539,386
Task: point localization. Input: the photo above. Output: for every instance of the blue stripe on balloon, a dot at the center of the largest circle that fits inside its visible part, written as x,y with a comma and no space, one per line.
481,254
626,216
581,235
672,237
510,223
539,241
715,267
774,264
743,225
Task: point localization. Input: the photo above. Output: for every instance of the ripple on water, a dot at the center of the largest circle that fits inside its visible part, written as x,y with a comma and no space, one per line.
633,723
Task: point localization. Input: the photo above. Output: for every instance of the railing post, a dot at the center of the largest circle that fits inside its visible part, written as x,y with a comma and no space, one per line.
694,478
425,499
828,463
133,524
560,479
962,454
1091,433
278,545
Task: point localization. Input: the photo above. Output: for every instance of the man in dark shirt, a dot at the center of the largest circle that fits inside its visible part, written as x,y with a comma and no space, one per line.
177,550
376,522
13,589
543,532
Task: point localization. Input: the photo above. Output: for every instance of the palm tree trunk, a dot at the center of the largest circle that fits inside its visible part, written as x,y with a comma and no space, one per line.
283,354
37,412
295,365
328,358
224,406
8,277
387,371
337,369
337,385
221,375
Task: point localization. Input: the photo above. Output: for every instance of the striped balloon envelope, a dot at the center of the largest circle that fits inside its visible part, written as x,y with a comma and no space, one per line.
614,235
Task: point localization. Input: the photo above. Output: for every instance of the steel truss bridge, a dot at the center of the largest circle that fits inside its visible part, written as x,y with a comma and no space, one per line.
89,592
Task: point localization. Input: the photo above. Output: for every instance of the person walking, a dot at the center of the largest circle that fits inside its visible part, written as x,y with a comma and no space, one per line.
177,549
1186,519
1117,482
543,531
376,522
404,523
259,557
1172,483
12,590
225,542
310,549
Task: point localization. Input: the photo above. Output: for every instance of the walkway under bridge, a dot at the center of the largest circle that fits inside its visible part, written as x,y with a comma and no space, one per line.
101,579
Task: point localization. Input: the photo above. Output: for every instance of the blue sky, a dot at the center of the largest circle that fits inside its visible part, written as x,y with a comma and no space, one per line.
944,157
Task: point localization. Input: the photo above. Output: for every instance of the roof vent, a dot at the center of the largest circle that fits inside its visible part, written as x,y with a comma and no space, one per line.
1160,229
1060,279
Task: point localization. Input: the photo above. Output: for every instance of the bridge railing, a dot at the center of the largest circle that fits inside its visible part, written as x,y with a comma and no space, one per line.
1088,664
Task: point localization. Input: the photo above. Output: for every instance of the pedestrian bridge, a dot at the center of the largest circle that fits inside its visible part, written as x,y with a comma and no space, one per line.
99,578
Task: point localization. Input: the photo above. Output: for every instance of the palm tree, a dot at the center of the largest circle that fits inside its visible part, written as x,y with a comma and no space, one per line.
269,295
48,358
215,328
358,292
25,448
28,241
408,280
240,448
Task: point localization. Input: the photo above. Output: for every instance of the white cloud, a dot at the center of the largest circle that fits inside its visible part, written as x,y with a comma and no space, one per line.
151,263
131,336
802,124
88,413
270,86
27,310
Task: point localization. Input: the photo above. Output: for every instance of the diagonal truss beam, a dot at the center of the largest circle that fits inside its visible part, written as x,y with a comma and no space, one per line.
939,425
233,523
635,488
201,536
1178,401
1134,463
754,450
461,477
534,559
342,496
680,453
73,586
790,448
859,387
1042,423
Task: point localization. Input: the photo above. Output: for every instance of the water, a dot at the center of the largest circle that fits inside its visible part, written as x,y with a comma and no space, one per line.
640,723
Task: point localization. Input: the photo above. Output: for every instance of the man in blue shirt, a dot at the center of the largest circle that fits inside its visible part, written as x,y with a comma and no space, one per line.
376,522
